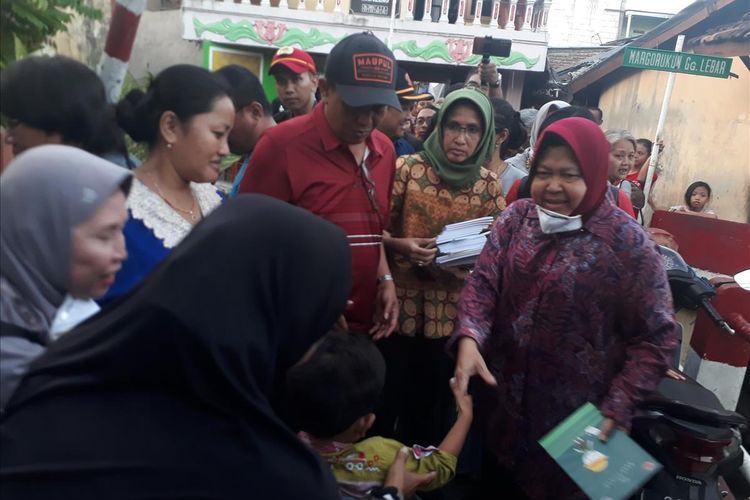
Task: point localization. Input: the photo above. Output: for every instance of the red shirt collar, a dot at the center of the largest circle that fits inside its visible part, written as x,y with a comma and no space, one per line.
331,141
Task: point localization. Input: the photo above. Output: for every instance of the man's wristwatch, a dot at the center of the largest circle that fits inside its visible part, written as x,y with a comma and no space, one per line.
384,278
385,493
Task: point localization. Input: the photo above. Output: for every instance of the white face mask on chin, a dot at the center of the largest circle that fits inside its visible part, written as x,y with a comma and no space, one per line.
551,222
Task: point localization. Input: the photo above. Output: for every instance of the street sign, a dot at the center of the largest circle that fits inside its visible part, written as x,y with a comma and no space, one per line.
371,7
677,62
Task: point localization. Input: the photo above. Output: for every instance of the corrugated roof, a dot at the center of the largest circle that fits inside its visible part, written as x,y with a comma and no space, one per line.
583,67
563,58
738,31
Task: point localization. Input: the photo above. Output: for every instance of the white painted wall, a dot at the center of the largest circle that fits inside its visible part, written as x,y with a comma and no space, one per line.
584,23
158,42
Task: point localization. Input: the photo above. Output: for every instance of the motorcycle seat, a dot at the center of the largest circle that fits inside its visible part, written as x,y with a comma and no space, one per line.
709,432
688,400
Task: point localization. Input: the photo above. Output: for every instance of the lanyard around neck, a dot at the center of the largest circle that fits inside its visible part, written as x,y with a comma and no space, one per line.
369,184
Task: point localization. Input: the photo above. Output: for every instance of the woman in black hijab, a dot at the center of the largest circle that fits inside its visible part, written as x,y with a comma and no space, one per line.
166,393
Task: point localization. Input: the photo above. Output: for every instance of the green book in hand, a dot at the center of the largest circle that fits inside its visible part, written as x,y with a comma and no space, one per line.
604,471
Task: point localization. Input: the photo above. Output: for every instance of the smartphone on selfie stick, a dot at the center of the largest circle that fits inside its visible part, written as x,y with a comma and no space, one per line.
487,46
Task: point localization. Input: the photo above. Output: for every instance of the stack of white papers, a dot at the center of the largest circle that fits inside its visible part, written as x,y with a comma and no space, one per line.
461,243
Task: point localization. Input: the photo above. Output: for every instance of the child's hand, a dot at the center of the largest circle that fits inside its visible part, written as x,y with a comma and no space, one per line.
454,441
464,402
404,481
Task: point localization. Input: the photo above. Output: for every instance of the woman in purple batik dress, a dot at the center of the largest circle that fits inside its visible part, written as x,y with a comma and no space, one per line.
568,303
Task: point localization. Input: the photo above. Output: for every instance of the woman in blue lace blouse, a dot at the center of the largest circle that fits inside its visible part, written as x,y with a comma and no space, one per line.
185,118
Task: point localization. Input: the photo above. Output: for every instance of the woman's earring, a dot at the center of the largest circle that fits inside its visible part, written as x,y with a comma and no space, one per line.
169,145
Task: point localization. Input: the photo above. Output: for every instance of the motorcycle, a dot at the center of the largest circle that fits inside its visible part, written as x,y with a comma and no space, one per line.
683,425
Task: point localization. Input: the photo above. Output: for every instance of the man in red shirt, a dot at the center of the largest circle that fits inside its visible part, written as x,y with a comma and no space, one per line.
336,164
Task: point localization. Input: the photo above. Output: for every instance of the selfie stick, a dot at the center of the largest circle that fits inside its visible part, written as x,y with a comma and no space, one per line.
391,24
486,51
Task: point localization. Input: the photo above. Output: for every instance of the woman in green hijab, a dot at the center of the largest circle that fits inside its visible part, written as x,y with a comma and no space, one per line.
443,184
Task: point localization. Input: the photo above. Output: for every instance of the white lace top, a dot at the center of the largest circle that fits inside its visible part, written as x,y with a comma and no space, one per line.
166,224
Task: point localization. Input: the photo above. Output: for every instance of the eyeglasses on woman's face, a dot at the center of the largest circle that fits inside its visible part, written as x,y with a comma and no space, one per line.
470,131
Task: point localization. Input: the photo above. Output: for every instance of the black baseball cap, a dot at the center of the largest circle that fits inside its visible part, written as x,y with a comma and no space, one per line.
364,71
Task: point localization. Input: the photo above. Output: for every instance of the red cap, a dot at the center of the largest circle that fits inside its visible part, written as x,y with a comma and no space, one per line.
296,60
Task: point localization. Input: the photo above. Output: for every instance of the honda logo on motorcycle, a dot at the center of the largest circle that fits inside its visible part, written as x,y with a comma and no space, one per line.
689,480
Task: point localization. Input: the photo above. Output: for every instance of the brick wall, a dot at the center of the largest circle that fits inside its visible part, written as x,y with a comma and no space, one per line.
581,23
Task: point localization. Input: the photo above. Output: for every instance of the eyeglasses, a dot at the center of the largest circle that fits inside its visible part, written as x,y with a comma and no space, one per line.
424,121
471,131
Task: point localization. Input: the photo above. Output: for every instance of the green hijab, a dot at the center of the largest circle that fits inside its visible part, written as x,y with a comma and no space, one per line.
461,175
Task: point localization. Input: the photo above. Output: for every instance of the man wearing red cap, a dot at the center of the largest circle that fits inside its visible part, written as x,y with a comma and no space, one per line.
336,164
296,82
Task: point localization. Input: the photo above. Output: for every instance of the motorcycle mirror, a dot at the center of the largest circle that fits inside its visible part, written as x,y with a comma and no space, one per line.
743,279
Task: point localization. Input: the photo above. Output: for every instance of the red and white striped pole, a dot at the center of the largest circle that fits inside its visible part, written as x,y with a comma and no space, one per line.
122,29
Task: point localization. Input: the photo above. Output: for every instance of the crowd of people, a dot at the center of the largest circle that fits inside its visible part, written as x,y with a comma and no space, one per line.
294,337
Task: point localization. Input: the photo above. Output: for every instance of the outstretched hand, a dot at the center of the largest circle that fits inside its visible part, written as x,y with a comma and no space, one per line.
464,402
469,363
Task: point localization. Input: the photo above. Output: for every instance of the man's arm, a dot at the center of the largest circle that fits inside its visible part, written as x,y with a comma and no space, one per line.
386,307
490,75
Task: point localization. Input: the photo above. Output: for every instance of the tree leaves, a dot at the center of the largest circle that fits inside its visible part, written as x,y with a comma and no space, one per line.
27,24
